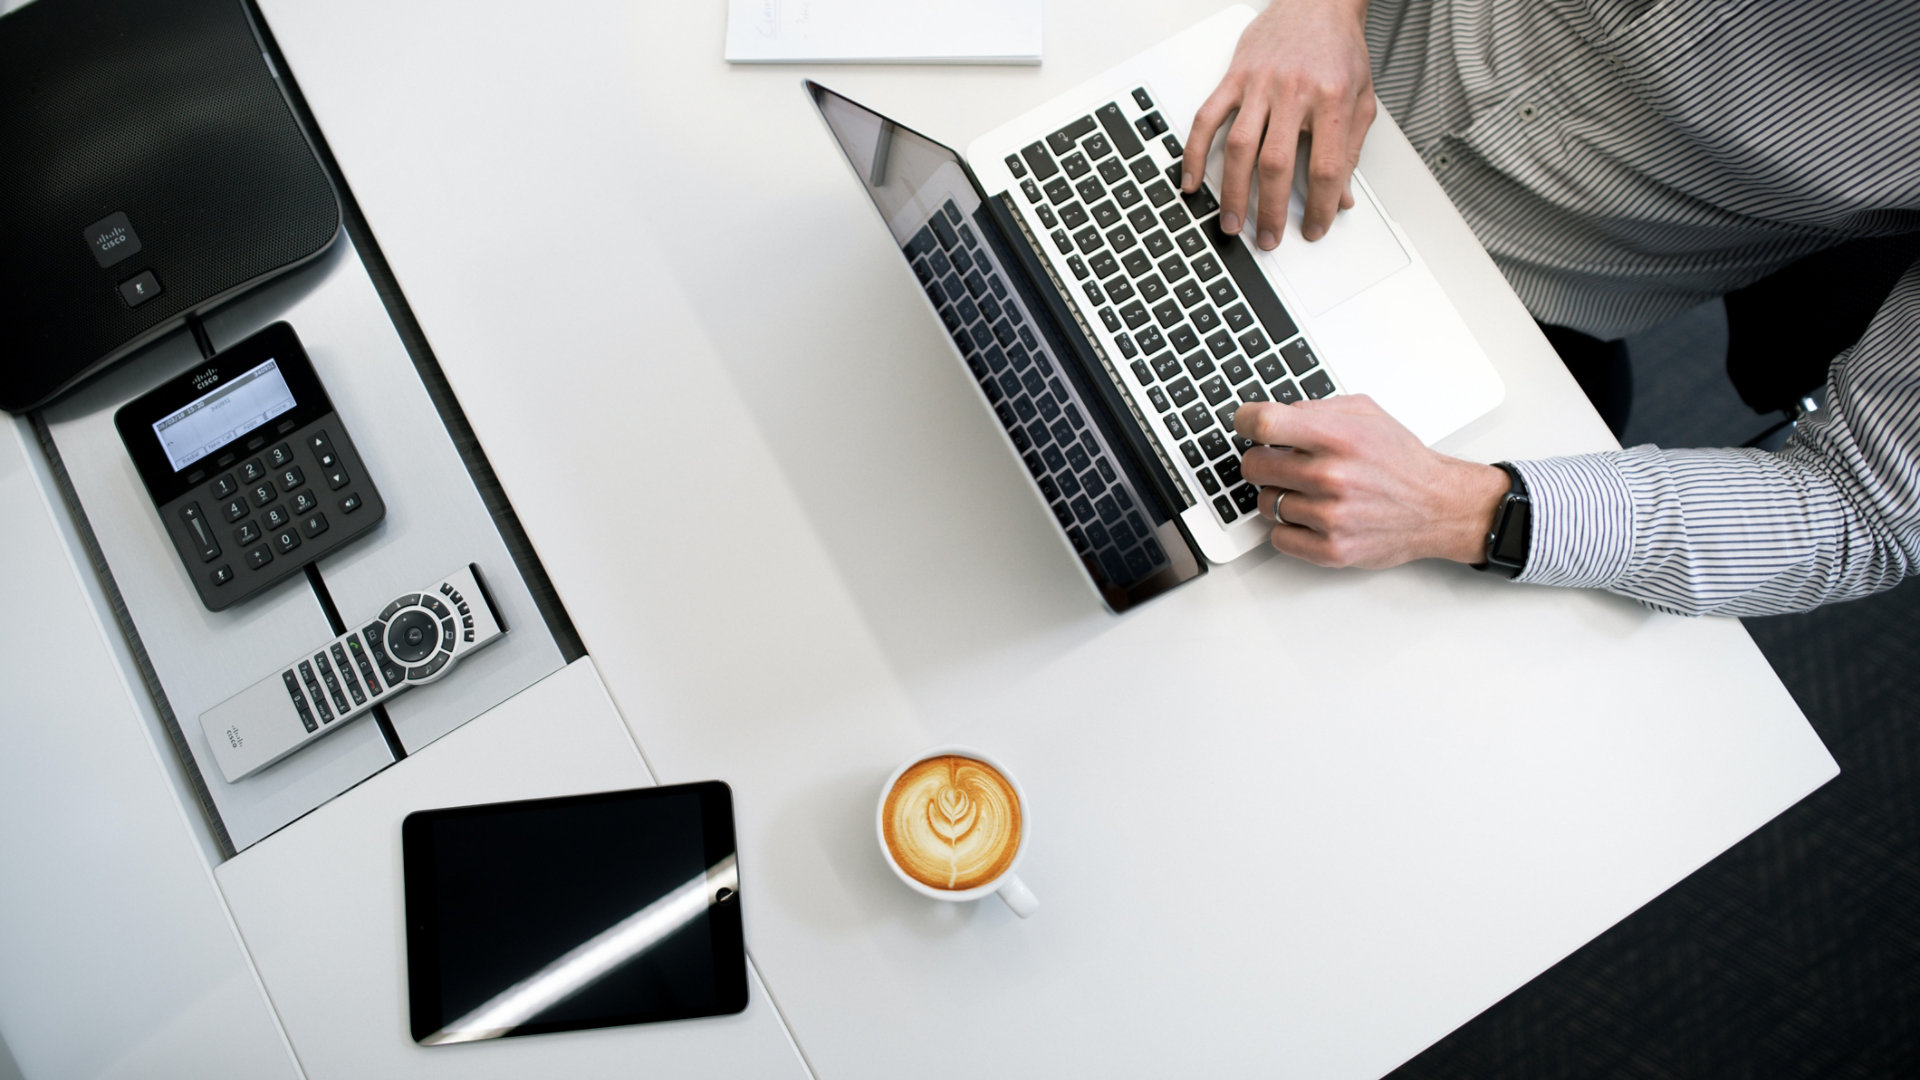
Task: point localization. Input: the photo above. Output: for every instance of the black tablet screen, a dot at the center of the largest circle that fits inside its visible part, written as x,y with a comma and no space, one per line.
567,913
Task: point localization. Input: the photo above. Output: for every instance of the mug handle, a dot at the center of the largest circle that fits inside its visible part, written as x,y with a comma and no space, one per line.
1018,896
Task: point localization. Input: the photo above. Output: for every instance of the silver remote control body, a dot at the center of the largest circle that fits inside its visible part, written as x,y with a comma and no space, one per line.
417,639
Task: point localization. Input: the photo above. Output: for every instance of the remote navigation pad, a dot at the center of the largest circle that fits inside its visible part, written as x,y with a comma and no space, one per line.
415,640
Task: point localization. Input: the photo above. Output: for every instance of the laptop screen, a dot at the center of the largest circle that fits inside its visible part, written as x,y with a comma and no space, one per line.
994,308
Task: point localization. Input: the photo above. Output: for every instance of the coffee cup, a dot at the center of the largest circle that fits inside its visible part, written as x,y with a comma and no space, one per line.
953,824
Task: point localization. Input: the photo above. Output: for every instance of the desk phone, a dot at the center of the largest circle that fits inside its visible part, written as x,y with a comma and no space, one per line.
249,466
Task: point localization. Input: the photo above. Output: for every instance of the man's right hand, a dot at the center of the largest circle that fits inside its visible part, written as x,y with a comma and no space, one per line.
1301,66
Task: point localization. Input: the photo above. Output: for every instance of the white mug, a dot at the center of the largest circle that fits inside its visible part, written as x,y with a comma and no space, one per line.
1008,884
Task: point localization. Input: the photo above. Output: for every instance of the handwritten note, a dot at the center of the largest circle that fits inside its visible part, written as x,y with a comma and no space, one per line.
883,31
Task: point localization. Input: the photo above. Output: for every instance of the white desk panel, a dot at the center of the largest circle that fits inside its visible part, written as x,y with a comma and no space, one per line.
322,909
117,956
1287,821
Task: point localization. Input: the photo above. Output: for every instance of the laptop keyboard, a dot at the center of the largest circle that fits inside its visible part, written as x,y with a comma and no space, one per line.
1192,317
1042,414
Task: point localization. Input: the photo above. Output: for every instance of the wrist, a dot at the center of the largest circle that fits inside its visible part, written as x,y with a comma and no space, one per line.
1468,514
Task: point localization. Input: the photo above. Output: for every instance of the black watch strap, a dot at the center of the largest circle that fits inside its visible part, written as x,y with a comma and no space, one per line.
1511,535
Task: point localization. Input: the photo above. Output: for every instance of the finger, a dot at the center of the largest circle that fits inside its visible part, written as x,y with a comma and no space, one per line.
1346,193
1304,544
1275,467
1276,176
1243,147
1328,170
1206,124
1273,424
1297,510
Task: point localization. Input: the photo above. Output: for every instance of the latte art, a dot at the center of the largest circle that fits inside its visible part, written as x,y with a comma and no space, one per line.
952,822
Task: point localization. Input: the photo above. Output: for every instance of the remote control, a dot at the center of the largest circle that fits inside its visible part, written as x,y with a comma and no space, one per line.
415,640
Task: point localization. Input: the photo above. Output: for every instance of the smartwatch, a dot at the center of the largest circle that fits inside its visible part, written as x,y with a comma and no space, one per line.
1512,532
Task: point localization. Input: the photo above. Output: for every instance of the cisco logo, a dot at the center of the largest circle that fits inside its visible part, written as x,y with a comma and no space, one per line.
205,379
233,736
111,239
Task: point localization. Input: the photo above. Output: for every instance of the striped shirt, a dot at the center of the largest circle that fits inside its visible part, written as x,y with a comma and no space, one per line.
1625,160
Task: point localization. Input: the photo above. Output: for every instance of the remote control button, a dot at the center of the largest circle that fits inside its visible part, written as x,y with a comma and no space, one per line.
365,665
333,682
246,534
277,518
286,541
263,493
428,669
317,442
346,674
411,636
305,503
314,525
259,557
351,503
221,574
200,531
393,609
313,692
223,487
234,509
337,478
435,606
280,456
299,701
253,472
447,636
464,609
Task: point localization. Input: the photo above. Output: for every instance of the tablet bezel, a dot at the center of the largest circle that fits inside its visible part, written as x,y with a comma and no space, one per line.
728,954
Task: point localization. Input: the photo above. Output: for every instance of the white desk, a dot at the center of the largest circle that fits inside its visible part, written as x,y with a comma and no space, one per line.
797,552
790,537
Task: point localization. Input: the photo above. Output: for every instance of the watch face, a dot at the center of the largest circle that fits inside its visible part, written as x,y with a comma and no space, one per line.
1512,536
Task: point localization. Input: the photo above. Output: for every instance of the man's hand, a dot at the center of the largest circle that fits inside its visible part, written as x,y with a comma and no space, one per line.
1361,490
1301,66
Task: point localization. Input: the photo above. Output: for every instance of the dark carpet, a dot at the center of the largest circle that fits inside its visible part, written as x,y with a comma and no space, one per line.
1797,952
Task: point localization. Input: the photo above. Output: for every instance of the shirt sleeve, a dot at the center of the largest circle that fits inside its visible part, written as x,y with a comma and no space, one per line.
1834,515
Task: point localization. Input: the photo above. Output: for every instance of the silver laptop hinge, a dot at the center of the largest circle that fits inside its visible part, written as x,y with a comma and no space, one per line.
1086,330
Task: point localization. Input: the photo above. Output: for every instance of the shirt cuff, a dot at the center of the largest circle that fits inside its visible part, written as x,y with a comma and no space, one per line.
1582,531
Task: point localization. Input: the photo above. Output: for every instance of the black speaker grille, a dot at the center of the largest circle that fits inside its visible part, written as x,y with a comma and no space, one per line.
164,110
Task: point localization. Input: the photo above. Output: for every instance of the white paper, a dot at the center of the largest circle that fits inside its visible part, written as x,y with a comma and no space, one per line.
882,31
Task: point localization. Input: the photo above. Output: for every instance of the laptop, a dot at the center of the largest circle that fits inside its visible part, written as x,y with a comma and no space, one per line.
1113,329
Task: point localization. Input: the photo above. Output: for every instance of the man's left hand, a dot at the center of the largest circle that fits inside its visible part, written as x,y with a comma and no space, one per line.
1359,489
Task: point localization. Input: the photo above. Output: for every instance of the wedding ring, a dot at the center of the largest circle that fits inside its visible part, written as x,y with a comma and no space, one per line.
1276,509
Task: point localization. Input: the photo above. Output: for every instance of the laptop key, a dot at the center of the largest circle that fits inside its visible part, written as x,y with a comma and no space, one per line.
1063,140
1120,289
1015,166
1112,170
1237,370
1134,315
1253,284
1039,161
1299,358
1055,460
1108,509
1108,317
1253,342
1106,215
1239,318
1224,413
1088,239
1168,313
1069,484
1206,268
1045,214
1197,417
1093,484
1166,367
1174,427
1103,264
1062,241
944,230
1225,509
1175,218
1158,245
1192,454
1105,467
1031,190
1251,392
1174,149
1317,385
1090,189
1213,444
1061,512
1200,203
1141,99
1286,393
1144,170
1142,372
1078,265
1075,165
1159,399
1269,368
1182,391
1127,347
1207,480
1216,390
1077,459
1150,340
1126,194
1184,339
1246,497
1152,288
1204,319
1137,263
1073,215
1227,468
1220,343
1189,293
1058,190
1124,139
1191,242
1142,220
1159,194
1174,268
976,285
1120,238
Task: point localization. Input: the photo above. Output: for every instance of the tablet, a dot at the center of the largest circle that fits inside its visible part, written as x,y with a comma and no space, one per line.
621,907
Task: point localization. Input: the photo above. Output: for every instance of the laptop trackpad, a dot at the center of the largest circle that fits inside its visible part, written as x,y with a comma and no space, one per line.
1358,251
